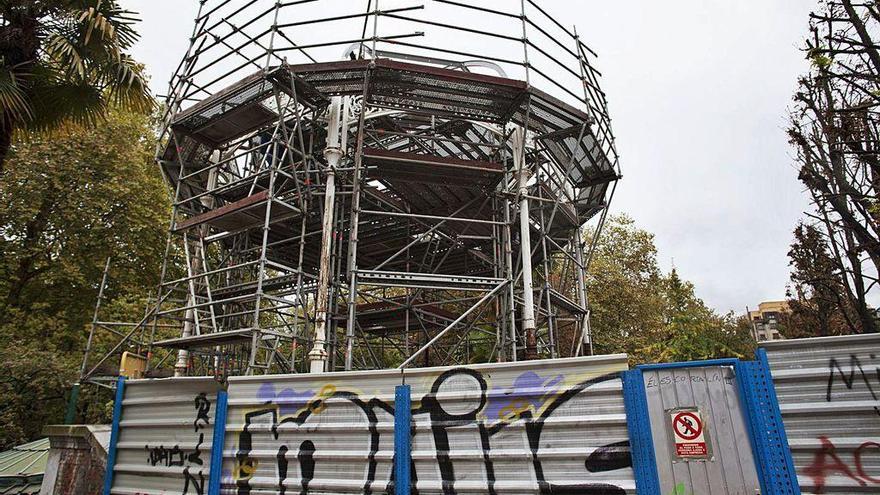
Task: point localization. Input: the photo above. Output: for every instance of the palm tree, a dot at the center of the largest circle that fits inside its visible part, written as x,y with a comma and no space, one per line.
65,61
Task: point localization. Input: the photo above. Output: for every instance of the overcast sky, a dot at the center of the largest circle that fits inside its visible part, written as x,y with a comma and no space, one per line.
698,92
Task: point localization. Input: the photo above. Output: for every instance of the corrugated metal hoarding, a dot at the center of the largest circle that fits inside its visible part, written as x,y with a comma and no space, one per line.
165,436
554,426
829,394
328,433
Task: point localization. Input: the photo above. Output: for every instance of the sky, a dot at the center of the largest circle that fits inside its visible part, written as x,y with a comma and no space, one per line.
698,92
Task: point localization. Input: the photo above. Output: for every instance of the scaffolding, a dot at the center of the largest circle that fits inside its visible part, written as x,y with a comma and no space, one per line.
366,187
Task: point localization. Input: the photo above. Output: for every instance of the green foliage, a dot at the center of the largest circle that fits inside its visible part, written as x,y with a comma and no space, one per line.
652,316
65,61
622,285
33,377
821,61
818,297
68,200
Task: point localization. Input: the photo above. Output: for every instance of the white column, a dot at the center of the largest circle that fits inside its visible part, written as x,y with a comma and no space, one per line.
525,240
333,153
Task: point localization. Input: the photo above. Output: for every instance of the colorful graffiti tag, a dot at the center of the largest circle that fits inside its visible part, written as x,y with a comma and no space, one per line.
468,436
848,377
828,461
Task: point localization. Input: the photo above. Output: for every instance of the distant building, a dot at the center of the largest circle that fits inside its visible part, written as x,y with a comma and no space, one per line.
765,320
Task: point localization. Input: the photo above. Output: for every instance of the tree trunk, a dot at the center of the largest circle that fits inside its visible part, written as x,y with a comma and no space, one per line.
19,48
5,145
27,271
857,290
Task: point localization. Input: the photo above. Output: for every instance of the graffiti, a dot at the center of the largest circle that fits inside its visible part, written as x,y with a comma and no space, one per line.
203,406
175,456
859,382
669,379
165,457
198,485
851,379
863,449
288,400
528,393
303,450
190,460
828,461
470,430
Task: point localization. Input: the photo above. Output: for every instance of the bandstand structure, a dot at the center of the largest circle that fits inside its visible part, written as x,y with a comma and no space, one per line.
367,185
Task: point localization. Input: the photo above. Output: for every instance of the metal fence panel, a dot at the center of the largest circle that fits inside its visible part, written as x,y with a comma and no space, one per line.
829,394
713,390
327,433
554,426
165,436
551,426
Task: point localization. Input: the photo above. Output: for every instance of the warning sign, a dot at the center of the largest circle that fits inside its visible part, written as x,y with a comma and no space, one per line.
688,433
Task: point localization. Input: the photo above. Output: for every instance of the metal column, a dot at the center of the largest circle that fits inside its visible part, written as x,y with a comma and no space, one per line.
333,153
525,242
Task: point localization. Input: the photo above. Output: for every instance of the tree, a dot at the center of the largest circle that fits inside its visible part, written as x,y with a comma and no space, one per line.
693,331
652,316
834,130
626,306
819,303
65,60
68,200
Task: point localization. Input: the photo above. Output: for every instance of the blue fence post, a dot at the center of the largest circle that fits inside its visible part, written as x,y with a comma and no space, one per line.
744,371
641,441
114,434
782,474
402,422
773,460
216,472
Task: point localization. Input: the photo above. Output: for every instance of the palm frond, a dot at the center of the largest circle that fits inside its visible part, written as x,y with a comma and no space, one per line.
14,105
64,52
57,100
109,19
81,69
96,22
127,86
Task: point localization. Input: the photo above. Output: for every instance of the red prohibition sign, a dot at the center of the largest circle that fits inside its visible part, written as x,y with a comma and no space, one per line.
687,425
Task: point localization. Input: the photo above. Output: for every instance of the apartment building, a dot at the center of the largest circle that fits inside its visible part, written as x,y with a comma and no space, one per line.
765,320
